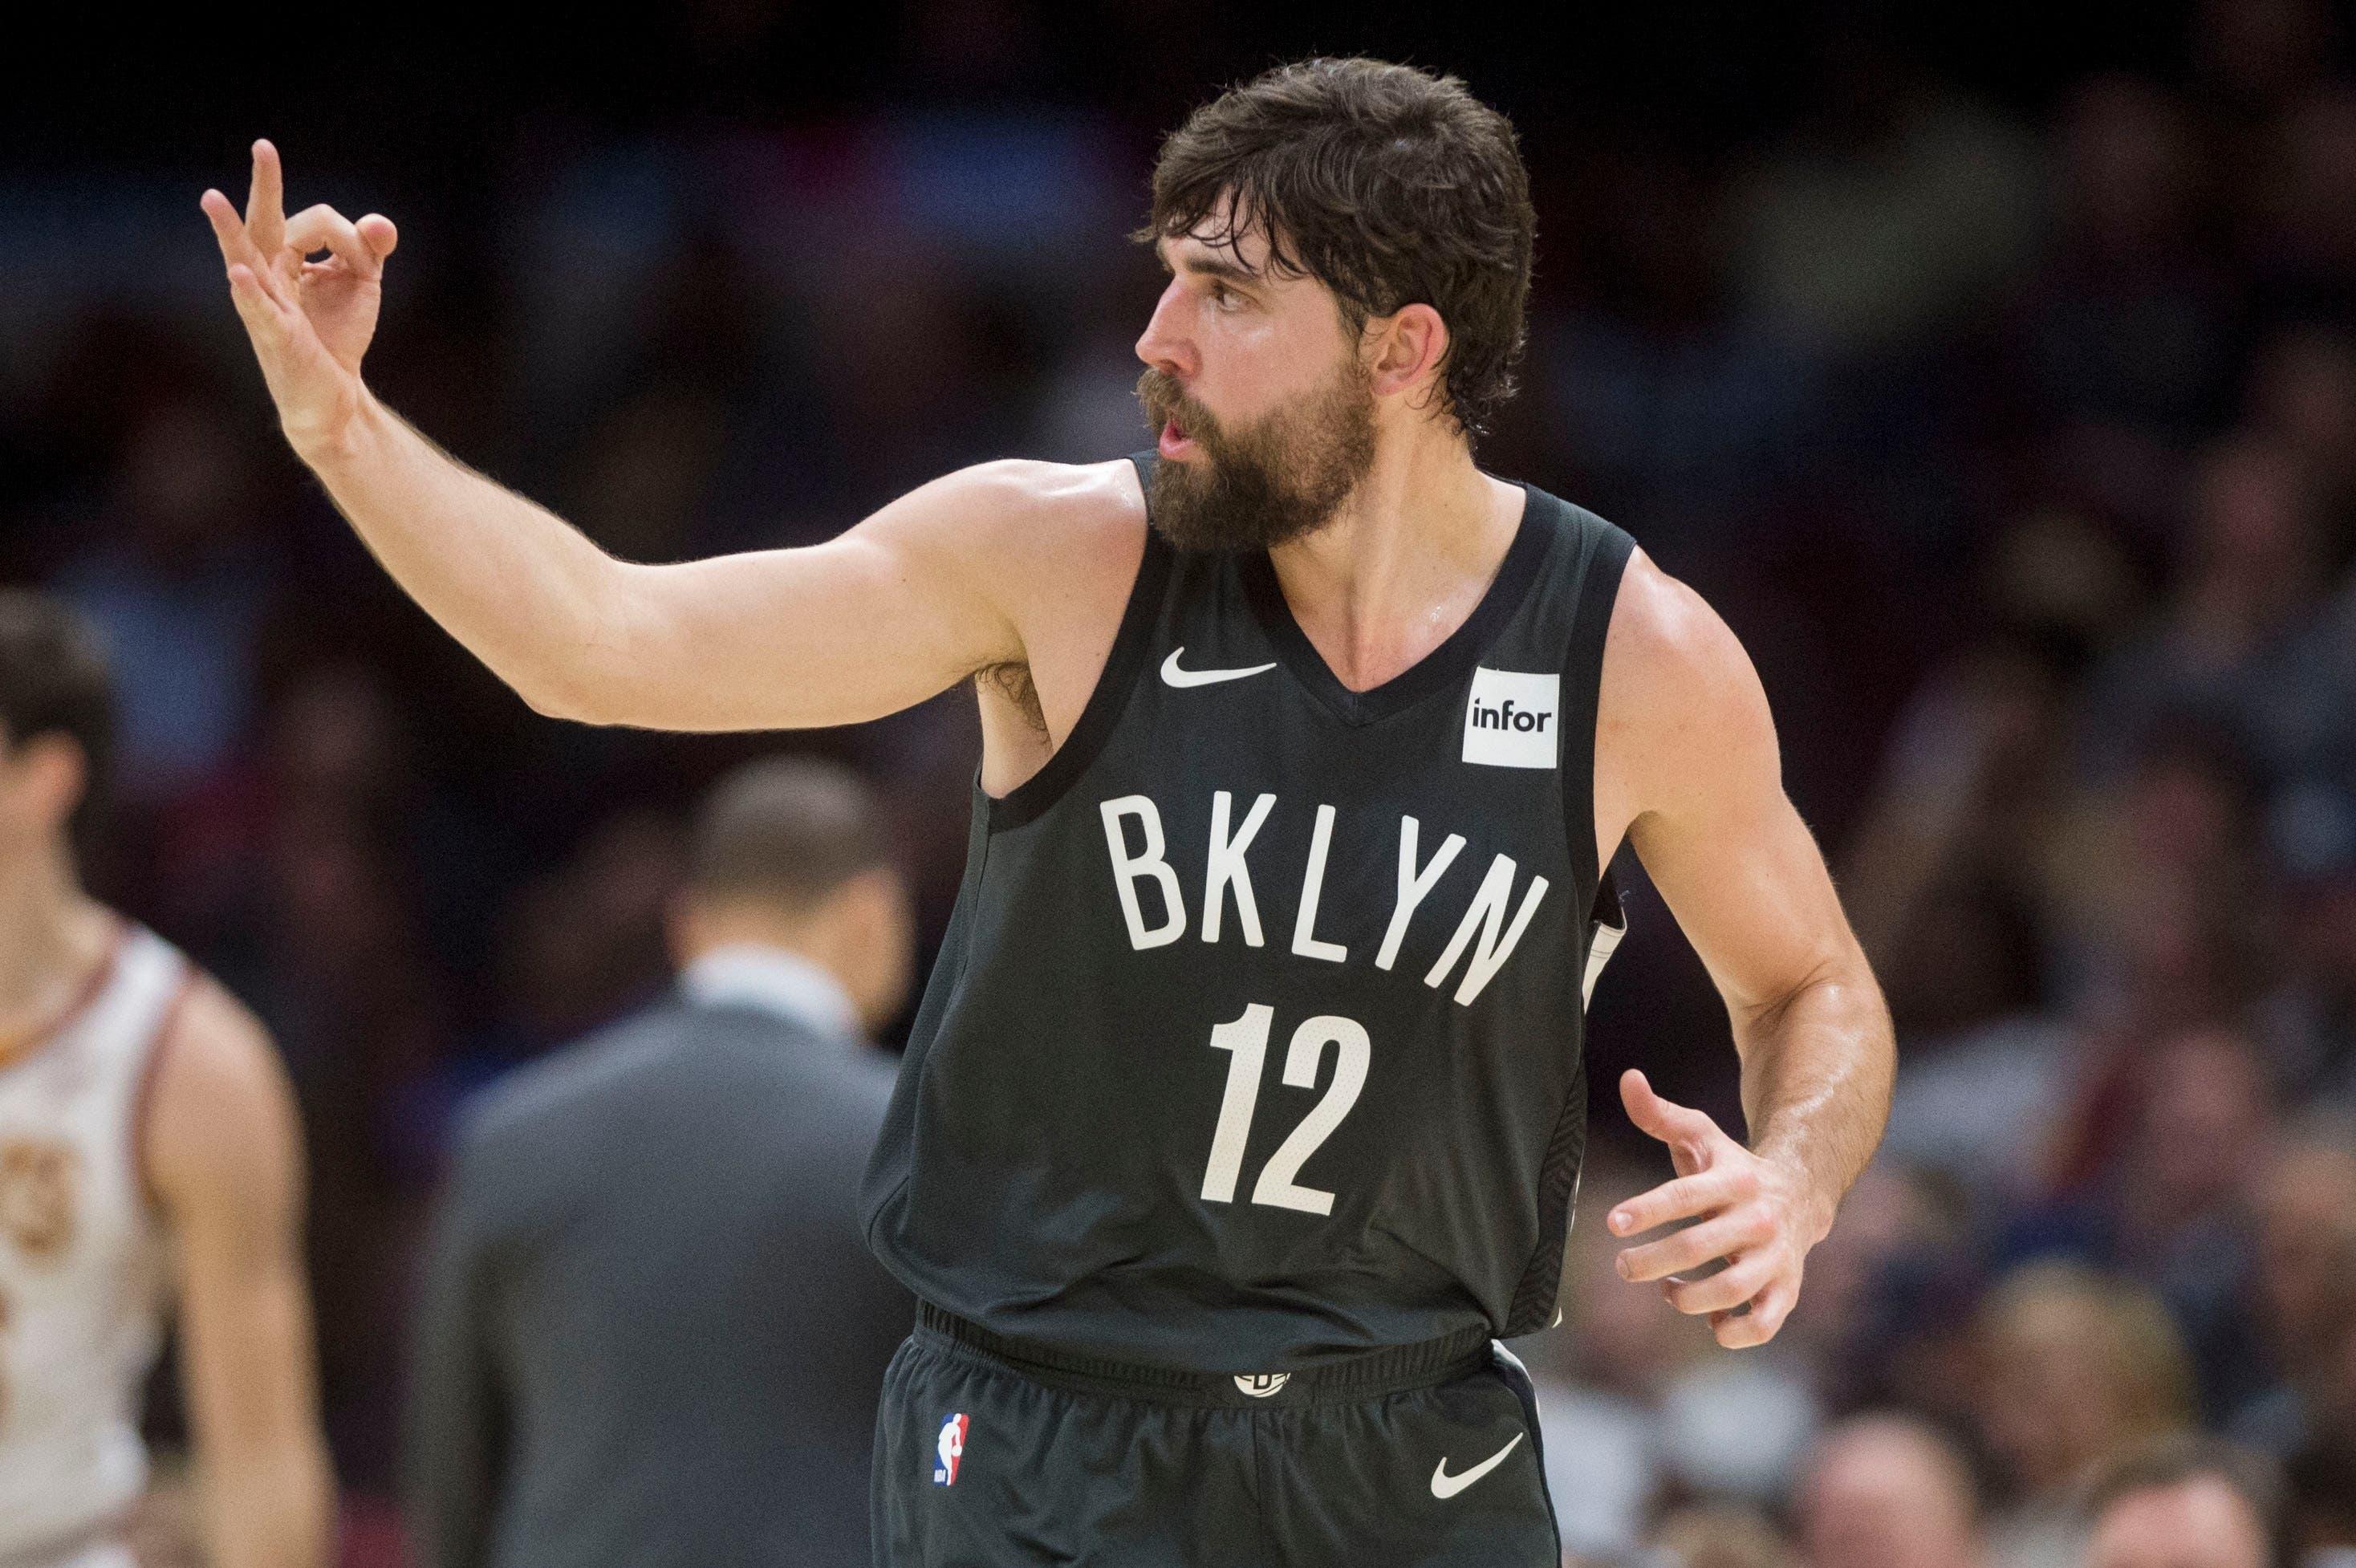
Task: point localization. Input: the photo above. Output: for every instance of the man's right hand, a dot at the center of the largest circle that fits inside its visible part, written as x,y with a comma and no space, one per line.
999,565
309,321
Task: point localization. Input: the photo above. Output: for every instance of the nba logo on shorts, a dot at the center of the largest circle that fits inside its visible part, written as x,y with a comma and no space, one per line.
952,1449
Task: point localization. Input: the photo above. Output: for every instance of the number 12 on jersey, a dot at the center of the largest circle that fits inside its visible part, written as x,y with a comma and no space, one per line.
1246,1040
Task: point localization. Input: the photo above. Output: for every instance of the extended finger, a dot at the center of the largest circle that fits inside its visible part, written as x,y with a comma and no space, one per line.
1692,1247
265,202
1729,1287
228,229
324,228
1664,1119
1704,1192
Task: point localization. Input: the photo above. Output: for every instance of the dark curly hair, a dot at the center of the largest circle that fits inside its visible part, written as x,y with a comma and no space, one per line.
1388,185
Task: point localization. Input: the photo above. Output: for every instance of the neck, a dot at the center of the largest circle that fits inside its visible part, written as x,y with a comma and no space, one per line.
748,925
51,932
1404,561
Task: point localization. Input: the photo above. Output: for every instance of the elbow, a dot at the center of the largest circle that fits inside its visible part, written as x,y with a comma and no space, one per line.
552,703
581,697
588,675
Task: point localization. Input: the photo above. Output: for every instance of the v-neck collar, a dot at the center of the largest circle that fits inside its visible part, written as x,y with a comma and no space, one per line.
1450,661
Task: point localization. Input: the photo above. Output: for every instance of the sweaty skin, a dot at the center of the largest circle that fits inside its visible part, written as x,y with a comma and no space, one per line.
1021,567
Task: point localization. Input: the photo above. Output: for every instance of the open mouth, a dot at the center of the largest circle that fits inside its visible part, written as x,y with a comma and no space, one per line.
1175,442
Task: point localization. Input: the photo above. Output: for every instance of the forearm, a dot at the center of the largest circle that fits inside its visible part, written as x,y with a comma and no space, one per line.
1816,1074
266,1483
271,1507
527,593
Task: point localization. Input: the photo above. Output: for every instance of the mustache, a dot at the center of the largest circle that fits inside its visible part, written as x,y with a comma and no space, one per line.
1164,402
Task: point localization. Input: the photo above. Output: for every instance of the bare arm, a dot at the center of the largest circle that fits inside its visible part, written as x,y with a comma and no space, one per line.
1689,763
223,1156
906,604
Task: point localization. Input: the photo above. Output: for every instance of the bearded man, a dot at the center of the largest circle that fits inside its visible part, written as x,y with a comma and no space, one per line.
1243,1113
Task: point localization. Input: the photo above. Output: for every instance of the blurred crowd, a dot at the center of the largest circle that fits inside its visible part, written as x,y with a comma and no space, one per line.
2011,425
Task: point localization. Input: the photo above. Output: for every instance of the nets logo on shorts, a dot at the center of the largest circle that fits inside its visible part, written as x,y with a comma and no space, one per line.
952,1450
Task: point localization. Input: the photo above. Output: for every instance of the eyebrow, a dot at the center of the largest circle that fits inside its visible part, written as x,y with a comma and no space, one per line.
1210,267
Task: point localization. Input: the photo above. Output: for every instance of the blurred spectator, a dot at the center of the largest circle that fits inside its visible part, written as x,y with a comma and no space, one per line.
2171,1210
2323,1479
1986,1070
2252,565
2304,230
2256,55
2125,339
2075,1368
1674,402
1891,1294
1900,204
1719,1536
2305,1283
1888,1491
2303,392
179,583
2187,1502
2311,1013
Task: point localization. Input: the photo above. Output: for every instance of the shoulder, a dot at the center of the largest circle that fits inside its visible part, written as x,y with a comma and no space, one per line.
218,1114
1680,699
1021,508
549,1097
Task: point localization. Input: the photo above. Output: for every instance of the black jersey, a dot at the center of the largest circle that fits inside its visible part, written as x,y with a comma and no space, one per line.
1256,1036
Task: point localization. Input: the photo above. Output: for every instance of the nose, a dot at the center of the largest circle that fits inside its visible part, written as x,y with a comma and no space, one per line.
1164,345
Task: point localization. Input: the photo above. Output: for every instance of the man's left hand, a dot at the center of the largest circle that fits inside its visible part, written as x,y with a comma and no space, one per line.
1759,1215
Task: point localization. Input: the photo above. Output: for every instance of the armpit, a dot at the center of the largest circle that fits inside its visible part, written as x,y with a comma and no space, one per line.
1012,681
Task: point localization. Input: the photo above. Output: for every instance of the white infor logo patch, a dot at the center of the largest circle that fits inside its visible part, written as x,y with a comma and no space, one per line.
1514,720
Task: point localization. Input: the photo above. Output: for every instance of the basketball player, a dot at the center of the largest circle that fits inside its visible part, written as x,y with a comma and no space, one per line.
148,1149
1243,1108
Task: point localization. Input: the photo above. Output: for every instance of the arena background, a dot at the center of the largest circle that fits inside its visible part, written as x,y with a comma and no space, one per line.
1992,369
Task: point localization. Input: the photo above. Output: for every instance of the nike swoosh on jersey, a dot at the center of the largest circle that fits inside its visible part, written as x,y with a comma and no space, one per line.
1177,677
1444,1485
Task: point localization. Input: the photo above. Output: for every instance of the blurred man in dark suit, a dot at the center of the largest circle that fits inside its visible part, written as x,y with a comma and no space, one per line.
650,1332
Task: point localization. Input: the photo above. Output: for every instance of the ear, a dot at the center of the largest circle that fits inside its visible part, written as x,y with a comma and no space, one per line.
874,899
54,775
1408,348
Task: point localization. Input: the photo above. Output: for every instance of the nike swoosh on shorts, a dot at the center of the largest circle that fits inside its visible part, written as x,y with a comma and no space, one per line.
1444,1485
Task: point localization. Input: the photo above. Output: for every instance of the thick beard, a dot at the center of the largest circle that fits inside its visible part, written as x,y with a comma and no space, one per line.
1262,485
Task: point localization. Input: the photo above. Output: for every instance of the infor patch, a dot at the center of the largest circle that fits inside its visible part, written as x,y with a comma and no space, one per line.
1514,720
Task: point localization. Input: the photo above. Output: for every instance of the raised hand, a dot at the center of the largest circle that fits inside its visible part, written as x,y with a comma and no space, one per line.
1748,1210
310,321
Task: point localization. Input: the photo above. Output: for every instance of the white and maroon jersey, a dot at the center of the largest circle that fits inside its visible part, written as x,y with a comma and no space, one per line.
83,1265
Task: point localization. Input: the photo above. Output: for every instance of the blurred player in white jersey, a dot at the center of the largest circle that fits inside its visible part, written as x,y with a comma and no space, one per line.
148,1153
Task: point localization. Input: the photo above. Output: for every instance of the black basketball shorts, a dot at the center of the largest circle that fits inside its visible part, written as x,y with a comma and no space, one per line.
990,1455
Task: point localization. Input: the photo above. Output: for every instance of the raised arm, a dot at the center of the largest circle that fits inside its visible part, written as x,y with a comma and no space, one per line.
922,594
221,1152
1688,763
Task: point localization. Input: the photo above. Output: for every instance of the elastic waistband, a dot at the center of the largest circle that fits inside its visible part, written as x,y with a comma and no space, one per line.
1369,1375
